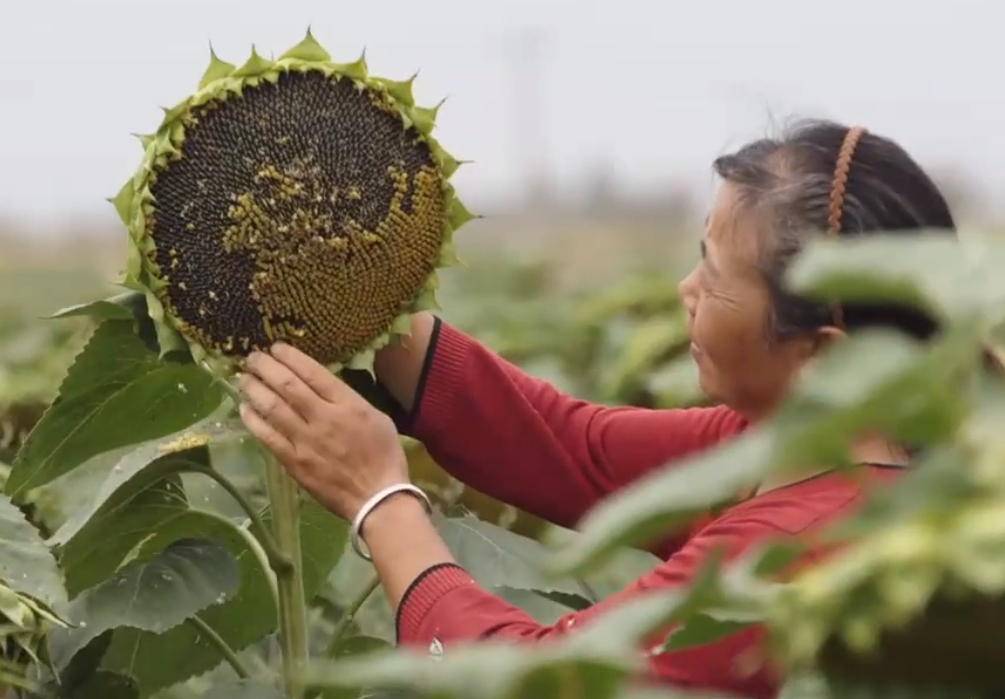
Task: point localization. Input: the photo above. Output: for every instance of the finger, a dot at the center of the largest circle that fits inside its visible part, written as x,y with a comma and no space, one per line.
266,434
271,407
315,375
286,384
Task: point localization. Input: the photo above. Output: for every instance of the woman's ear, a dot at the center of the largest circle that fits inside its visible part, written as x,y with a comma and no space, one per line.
808,348
827,335
812,344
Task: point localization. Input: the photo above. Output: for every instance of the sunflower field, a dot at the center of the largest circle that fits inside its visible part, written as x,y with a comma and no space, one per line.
144,552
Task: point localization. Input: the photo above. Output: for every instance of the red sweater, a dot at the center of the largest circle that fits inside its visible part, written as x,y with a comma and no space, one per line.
518,439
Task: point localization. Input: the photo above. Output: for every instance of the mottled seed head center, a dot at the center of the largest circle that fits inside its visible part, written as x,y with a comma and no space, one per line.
302,211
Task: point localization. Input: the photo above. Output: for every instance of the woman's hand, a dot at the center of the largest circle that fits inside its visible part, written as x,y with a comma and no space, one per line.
333,442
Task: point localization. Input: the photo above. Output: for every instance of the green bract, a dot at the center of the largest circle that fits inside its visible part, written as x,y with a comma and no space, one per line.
24,624
294,199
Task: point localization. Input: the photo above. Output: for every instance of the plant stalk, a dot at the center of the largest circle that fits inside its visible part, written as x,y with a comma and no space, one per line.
225,650
347,616
284,498
278,560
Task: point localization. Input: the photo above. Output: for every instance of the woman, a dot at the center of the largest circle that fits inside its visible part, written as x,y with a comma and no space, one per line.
520,440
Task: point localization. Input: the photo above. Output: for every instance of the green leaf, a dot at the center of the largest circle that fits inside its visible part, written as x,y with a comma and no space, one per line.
116,393
497,558
119,307
544,609
622,568
937,487
667,499
26,564
148,463
75,666
133,525
650,343
374,694
112,534
241,464
140,510
492,670
676,384
654,692
935,272
155,594
355,646
105,685
702,630
242,619
590,664
133,500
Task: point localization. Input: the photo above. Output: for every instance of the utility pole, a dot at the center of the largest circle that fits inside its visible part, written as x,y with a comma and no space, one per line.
525,50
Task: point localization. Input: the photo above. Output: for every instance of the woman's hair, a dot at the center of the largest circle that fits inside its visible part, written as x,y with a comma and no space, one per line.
826,178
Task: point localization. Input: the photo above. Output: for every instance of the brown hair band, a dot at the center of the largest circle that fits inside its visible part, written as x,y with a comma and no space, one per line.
993,358
838,186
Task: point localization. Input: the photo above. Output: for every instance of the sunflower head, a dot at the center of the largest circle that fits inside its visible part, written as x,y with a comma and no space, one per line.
295,200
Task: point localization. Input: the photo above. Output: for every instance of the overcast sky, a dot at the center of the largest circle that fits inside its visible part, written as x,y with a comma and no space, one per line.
655,88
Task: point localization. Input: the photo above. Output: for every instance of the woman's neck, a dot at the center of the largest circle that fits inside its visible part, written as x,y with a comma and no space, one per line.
867,450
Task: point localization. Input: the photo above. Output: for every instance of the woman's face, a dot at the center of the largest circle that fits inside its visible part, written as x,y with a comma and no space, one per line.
728,306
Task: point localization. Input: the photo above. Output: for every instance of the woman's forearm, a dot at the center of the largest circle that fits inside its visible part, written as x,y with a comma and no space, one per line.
399,366
496,428
403,544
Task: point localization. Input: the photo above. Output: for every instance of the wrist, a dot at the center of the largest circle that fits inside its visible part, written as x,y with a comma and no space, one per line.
394,514
402,543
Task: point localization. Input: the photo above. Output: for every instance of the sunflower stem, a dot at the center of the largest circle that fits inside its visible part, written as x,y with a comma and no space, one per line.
284,498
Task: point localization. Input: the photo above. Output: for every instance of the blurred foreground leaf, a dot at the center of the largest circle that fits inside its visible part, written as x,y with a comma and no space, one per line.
590,664
875,381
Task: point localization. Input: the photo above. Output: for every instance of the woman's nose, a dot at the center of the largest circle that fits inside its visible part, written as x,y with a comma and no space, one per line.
687,290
